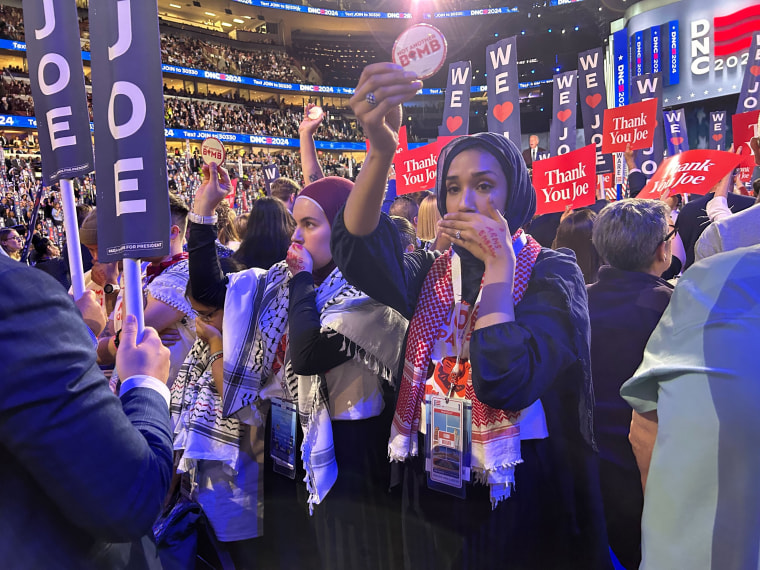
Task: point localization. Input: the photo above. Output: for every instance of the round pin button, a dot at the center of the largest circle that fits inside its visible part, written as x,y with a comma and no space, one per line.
212,150
315,113
420,48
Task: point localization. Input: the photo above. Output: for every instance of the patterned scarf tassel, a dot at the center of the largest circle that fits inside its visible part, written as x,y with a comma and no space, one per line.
309,438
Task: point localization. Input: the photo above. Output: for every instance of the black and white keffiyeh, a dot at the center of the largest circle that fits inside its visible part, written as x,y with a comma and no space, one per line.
200,430
256,317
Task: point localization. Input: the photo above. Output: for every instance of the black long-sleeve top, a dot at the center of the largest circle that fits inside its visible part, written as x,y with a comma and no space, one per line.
311,351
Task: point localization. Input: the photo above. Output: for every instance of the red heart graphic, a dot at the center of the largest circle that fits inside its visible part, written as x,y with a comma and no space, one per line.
564,115
503,111
717,137
453,123
676,140
594,100
755,70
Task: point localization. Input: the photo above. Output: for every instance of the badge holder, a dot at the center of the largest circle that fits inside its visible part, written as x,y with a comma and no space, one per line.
448,438
282,443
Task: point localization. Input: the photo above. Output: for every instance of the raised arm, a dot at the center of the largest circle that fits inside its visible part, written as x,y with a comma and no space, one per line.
387,85
312,170
206,277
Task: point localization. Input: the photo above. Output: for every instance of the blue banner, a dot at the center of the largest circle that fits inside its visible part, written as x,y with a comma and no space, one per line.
456,109
593,104
717,131
564,108
638,53
655,49
503,97
128,108
267,84
57,84
749,97
675,131
384,15
620,47
673,73
649,86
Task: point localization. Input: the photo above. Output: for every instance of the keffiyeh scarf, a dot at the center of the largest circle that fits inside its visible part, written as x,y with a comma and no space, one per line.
495,433
256,317
200,429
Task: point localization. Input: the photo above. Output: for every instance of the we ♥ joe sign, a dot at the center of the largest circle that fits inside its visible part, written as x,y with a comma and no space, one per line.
565,180
632,124
693,171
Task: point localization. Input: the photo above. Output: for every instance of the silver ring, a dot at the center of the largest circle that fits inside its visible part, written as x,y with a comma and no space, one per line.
458,235
370,98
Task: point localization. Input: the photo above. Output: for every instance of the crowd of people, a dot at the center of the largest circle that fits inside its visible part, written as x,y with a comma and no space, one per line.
184,50
569,391
250,119
272,64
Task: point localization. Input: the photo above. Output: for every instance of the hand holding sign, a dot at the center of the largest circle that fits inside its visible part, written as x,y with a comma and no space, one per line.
215,187
693,171
565,180
312,118
377,100
629,125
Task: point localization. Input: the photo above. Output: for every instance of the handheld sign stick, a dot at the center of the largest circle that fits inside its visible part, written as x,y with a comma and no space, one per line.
72,237
133,297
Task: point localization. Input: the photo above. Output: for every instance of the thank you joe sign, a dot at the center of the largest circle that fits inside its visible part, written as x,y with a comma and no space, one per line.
565,180
692,171
633,124
416,169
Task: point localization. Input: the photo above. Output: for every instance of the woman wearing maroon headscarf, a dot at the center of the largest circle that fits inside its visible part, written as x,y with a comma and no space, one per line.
301,346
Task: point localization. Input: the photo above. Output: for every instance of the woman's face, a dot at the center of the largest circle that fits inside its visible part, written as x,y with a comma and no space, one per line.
312,231
13,242
474,176
209,315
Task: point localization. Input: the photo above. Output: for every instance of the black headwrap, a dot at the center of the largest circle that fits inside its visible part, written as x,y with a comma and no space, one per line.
521,198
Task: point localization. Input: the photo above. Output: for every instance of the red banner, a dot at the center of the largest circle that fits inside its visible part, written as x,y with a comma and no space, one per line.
745,126
693,172
565,180
632,124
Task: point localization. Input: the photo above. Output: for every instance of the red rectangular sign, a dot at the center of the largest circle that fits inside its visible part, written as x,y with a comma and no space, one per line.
416,168
693,172
745,126
632,124
565,180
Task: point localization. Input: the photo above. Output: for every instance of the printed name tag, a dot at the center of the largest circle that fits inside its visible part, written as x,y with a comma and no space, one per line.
282,444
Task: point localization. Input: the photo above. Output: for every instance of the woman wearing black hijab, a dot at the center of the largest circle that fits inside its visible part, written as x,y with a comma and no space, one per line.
498,323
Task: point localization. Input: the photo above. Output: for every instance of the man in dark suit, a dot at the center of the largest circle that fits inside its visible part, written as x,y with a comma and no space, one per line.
533,152
83,474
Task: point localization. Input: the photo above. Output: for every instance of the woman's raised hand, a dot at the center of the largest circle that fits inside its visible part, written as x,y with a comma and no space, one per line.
216,185
382,88
487,236
299,259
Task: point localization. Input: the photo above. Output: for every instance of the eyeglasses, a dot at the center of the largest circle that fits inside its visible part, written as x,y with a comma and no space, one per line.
669,235
207,317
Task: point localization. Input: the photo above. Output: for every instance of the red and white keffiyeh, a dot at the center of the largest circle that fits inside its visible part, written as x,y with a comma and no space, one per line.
495,433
